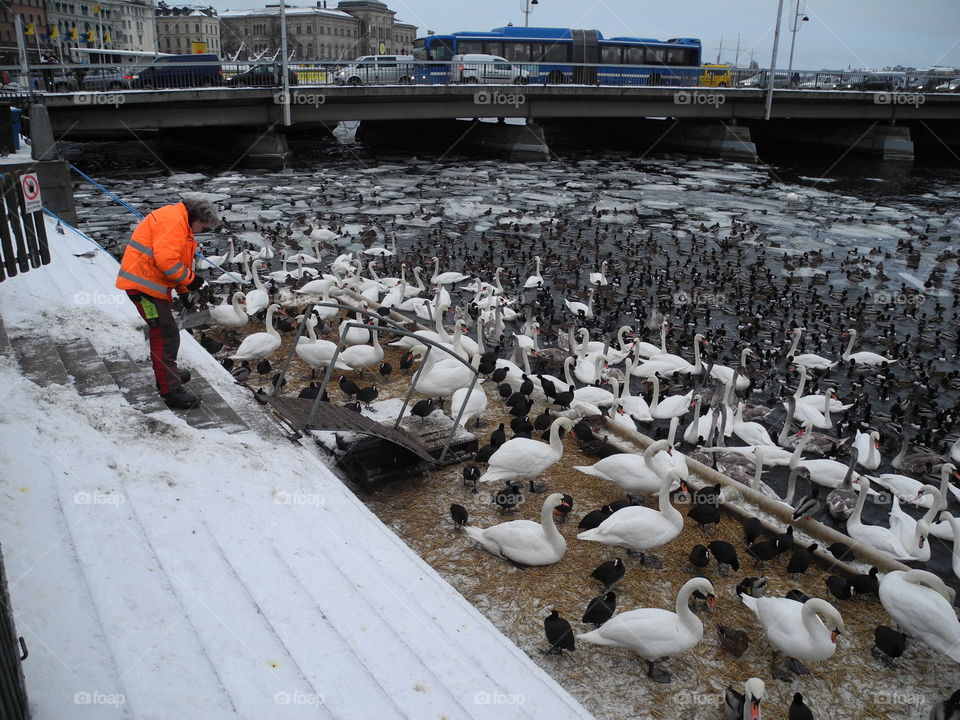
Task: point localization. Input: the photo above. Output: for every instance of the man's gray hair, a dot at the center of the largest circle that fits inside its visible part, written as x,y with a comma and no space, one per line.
202,210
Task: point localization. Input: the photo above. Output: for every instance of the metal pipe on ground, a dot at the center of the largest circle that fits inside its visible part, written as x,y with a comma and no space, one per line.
818,531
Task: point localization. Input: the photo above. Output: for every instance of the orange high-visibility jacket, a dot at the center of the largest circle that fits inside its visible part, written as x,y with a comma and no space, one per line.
160,254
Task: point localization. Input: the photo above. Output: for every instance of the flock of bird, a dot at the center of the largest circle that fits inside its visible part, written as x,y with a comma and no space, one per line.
745,417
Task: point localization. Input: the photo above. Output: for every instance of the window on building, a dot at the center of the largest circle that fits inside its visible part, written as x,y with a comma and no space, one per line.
309,29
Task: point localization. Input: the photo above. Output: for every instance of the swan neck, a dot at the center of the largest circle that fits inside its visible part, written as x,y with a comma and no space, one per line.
549,527
269,322
686,615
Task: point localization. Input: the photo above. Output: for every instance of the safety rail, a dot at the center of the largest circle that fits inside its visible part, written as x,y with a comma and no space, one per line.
70,77
13,651
395,329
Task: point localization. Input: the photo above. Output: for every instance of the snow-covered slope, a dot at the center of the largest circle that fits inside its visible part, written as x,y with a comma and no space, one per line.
168,572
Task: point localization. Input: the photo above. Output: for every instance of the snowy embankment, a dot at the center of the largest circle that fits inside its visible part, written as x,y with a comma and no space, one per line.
166,571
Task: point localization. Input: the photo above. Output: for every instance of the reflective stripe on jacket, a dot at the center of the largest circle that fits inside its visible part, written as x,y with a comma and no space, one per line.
159,256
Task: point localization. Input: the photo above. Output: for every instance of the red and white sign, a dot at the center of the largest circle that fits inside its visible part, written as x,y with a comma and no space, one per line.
31,192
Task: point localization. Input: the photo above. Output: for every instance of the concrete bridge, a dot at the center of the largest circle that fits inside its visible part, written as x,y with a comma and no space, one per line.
727,122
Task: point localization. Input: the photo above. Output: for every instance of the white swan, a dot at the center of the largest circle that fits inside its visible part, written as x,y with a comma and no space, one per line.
641,528
599,278
725,374
616,414
751,433
955,528
909,490
578,308
880,538
474,403
261,344
629,471
805,631
315,353
667,364
535,280
654,633
921,605
913,533
447,278
649,350
257,299
360,357
806,360
863,357
230,315
868,447
522,458
635,406
700,426
670,406
440,375
590,394
524,541
745,706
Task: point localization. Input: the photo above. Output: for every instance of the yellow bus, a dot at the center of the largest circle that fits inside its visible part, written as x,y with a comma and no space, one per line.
716,76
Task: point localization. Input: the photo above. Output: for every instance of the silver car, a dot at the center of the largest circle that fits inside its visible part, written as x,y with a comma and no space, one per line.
377,69
105,78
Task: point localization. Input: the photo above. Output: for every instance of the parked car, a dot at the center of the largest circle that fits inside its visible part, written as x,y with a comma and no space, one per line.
780,80
870,84
949,86
821,82
201,70
106,78
478,68
59,81
263,74
382,69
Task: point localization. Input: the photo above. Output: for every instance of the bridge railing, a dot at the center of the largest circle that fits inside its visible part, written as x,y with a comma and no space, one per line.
73,77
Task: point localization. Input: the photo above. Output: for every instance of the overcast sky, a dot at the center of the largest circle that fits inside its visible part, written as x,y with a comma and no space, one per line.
839,33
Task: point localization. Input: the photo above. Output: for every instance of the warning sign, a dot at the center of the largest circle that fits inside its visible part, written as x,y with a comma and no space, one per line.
31,192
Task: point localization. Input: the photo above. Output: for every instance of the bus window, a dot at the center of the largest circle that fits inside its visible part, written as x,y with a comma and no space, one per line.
517,52
552,53
633,55
420,49
470,47
610,55
493,48
655,56
441,50
676,56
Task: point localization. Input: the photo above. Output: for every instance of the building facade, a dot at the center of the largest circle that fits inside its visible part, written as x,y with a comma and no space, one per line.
354,28
30,12
138,26
179,29
83,24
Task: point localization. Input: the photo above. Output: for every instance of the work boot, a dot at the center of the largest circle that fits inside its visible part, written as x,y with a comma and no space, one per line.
181,399
185,375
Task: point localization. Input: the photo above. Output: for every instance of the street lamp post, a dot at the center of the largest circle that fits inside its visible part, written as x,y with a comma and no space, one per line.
794,29
773,63
527,11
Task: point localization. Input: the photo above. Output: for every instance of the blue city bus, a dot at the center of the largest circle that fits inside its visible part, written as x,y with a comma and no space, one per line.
562,55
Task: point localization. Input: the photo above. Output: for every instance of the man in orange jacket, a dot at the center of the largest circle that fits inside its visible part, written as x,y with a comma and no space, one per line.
158,258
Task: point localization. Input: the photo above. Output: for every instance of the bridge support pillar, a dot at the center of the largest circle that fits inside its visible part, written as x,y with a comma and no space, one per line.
247,148
879,141
514,142
718,139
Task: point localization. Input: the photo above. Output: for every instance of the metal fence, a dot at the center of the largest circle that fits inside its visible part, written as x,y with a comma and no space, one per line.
23,235
13,693
95,77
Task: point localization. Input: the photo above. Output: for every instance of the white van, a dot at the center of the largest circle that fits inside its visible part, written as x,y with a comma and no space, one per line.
488,69
377,69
